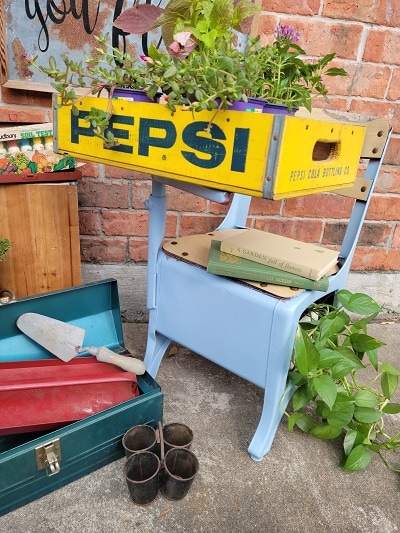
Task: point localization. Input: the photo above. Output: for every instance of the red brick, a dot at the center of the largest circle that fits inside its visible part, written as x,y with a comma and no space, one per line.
392,156
26,115
267,24
382,46
194,224
141,191
103,194
375,234
171,226
89,169
370,80
138,250
319,206
388,180
394,87
125,223
376,259
396,237
119,173
89,222
178,200
29,98
321,37
388,13
363,10
384,207
377,108
306,7
300,229
260,206
103,250
219,209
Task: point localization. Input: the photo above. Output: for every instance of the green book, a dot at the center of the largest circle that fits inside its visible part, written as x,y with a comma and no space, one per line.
232,266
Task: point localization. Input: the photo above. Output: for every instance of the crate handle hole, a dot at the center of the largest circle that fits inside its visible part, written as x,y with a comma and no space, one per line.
325,151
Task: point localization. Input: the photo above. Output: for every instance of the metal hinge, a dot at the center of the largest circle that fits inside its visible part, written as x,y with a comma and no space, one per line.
48,456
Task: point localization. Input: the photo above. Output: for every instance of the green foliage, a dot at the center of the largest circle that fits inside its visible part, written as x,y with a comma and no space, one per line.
279,75
5,245
333,361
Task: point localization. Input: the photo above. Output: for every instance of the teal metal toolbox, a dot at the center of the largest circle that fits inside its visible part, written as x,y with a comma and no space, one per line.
34,464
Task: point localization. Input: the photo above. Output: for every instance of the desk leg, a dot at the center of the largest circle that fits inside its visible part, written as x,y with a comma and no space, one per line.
156,343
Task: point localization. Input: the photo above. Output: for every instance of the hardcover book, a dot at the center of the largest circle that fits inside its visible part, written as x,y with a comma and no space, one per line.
304,259
232,266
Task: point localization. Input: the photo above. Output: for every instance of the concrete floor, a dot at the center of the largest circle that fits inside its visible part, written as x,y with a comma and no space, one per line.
298,487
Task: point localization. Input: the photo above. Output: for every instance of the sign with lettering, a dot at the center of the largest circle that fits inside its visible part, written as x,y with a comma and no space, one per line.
270,156
46,28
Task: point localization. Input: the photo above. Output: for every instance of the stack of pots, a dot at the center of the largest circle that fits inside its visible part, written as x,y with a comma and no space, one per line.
159,459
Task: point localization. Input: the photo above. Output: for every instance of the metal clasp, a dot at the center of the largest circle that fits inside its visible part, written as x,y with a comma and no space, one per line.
48,456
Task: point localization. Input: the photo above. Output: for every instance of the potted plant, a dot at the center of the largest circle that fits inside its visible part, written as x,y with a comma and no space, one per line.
342,388
107,69
203,69
278,74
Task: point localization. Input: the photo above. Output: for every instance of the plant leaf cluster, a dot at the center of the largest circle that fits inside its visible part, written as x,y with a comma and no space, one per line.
340,381
5,245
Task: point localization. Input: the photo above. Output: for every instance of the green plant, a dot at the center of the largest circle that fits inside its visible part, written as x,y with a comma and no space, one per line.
278,74
107,69
342,388
5,245
201,69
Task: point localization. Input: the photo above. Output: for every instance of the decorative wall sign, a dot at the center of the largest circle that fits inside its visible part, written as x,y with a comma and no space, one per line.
47,28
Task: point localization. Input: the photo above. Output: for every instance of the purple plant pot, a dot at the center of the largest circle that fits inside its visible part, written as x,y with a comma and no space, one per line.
278,109
131,95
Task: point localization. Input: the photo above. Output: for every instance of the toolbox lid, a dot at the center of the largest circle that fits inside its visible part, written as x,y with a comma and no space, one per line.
94,307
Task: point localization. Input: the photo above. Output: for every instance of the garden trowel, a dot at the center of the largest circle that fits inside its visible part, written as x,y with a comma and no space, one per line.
65,341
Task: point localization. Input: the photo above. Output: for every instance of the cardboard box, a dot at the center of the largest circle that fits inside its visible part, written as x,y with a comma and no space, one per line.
34,464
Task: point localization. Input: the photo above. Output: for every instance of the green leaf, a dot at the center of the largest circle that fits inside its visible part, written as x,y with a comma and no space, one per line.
325,432
305,354
326,389
303,421
359,303
352,439
389,384
328,357
367,415
342,412
390,369
359,458
302,396
363,343
391,408
373,358
365,398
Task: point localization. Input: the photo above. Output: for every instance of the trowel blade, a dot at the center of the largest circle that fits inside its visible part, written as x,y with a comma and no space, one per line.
59,338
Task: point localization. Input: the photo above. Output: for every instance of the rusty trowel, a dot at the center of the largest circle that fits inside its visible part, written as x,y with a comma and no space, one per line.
66,341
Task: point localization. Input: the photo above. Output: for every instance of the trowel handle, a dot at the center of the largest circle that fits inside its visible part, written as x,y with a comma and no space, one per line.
126,363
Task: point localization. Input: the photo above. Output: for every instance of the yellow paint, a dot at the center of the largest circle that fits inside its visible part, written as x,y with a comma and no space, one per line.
233,156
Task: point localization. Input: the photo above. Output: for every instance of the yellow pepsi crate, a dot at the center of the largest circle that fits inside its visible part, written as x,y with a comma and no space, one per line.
264,155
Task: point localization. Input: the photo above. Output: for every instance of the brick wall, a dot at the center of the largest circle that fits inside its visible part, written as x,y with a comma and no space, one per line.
366,38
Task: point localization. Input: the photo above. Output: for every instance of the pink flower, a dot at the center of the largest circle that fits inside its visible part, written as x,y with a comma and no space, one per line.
182,45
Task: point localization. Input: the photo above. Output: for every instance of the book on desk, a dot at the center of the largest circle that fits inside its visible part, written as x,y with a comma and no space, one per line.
303,259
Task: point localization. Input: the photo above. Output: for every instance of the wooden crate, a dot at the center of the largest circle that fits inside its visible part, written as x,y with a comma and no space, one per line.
41,221
270,156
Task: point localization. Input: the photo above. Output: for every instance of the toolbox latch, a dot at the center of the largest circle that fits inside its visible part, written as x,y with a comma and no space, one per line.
48,456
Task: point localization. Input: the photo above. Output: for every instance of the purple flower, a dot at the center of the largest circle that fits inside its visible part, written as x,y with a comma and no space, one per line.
287,32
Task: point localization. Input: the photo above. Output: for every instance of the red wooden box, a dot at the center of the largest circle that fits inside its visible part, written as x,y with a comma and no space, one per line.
46,394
